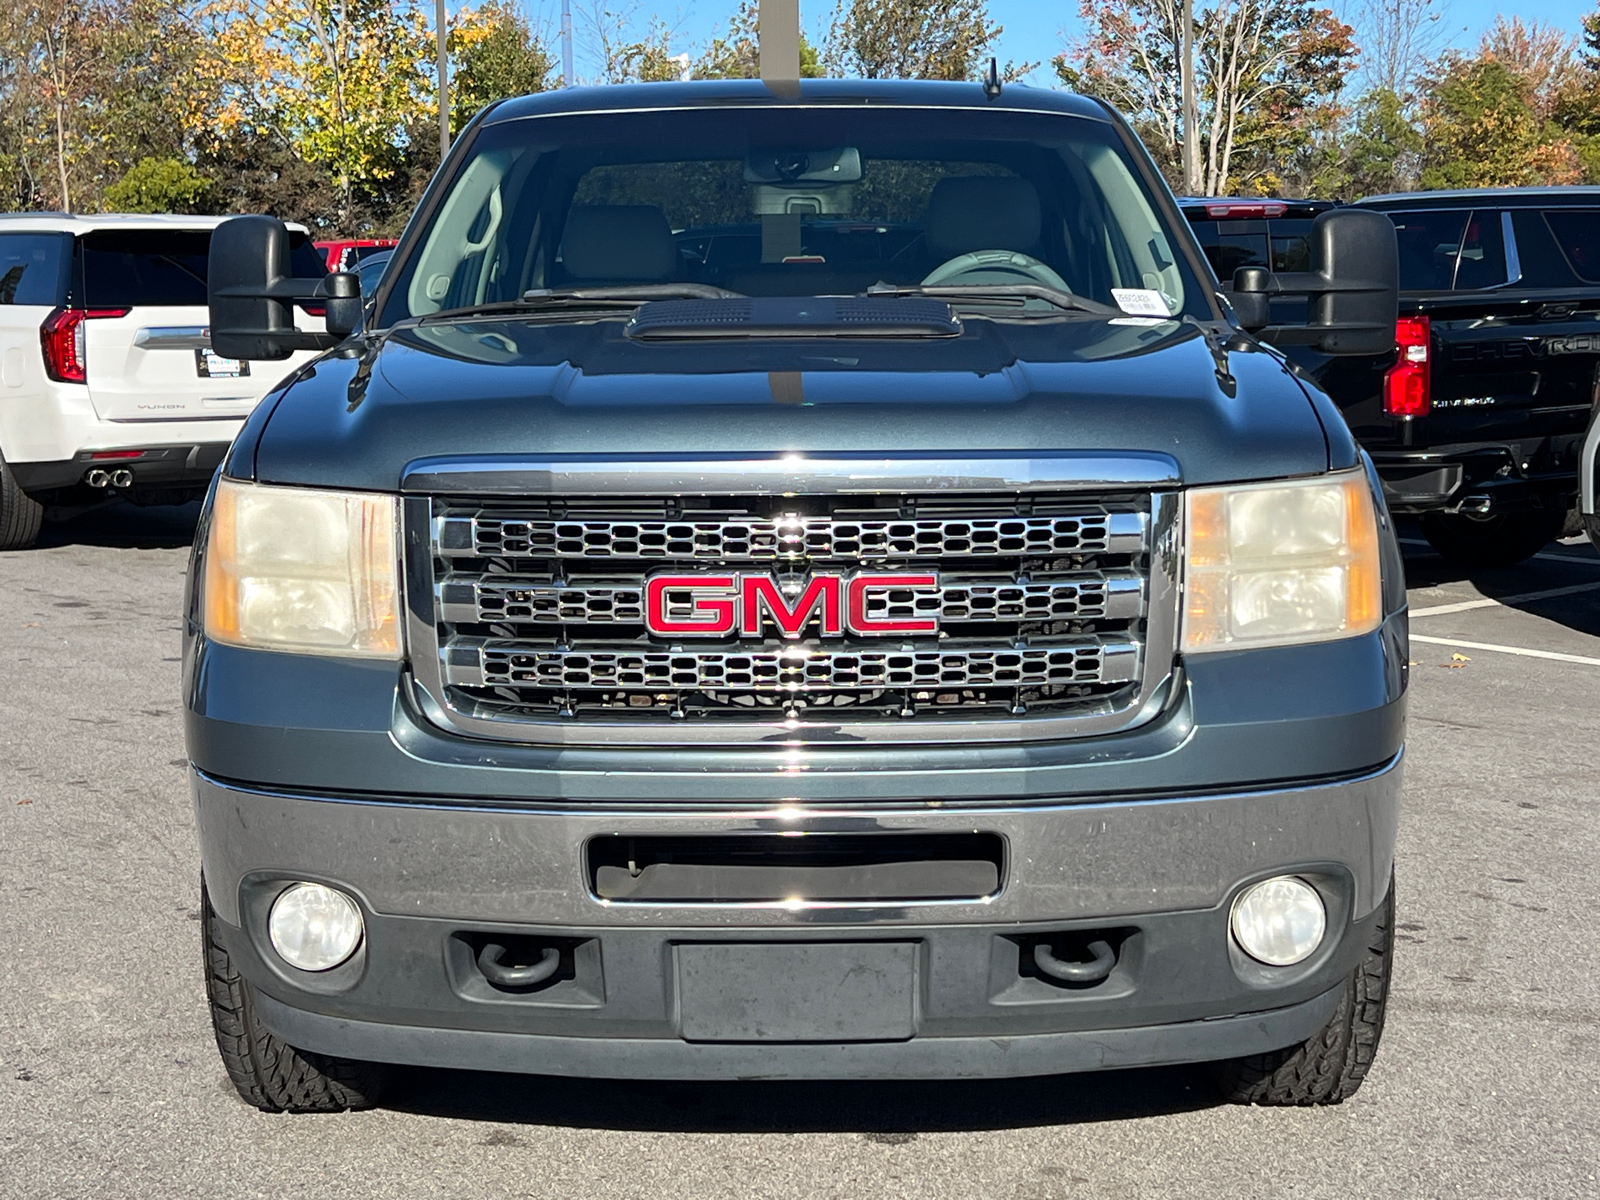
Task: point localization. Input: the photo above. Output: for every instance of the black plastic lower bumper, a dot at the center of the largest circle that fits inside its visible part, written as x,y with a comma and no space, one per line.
1485,478
184,465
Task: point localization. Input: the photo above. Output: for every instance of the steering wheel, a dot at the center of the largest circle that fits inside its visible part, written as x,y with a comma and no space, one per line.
995,267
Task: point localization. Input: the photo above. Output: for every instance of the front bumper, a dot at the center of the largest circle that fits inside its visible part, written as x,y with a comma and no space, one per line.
1156,875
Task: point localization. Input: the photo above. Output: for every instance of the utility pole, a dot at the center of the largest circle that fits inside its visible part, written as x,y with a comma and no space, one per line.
441,23
566,45
1191,114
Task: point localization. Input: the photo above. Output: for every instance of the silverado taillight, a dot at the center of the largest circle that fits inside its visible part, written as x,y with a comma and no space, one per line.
61,337
1407,385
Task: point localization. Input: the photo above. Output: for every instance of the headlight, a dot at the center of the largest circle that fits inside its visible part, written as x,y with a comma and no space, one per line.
303,570
1272,564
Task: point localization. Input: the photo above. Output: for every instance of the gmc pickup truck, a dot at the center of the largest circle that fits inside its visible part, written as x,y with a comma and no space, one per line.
1476,417
796,583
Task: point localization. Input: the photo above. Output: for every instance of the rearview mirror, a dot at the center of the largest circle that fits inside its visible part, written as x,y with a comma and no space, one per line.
252,294
840,165
1353,287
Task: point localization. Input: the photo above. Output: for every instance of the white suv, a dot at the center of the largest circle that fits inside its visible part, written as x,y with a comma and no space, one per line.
108,385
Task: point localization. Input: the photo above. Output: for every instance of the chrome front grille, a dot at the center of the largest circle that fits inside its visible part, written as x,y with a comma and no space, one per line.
791,669
1051,613
793,538
486,599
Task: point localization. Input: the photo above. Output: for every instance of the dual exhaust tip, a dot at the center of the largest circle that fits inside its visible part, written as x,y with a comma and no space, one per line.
122,478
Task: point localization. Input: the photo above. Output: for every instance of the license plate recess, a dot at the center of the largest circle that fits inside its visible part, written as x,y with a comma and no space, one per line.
797,991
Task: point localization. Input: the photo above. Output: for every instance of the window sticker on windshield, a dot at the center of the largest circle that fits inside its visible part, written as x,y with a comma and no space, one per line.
1141,302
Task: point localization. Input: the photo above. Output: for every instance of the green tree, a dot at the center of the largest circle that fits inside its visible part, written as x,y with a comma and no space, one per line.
1482,130
159,185
911,39
738,54
1384,150
493,54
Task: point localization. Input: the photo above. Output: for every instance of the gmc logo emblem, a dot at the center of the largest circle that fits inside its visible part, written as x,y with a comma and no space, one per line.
720,605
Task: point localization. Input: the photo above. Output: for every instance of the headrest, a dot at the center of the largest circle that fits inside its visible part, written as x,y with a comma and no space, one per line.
982,212
608,242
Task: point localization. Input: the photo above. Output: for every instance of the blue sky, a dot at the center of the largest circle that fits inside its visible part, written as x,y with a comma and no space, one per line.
1033,28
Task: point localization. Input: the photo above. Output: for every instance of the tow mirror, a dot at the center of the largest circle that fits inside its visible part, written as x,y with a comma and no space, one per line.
1353,287
252,294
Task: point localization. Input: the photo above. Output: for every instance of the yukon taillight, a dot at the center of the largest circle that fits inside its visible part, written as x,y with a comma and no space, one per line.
1407,385
61,337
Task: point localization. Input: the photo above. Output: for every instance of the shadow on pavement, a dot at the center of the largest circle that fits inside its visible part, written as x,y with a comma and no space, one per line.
888,1111
125,527
1556,567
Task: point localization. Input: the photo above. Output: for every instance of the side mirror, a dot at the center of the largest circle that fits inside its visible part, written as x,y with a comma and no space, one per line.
1353,287
252,293
342,315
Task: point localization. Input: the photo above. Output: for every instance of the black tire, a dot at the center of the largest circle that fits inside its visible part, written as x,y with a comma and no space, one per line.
1329,1067
20,514
1502,540
267,1071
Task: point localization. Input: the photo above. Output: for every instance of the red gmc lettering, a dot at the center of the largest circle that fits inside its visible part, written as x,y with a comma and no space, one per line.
761,592
720,604
868,626
720,619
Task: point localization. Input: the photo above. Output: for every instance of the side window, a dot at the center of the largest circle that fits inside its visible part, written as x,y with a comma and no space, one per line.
1539,258
1233,244
1430,244
1577,232
1291,251
1483,252
33,267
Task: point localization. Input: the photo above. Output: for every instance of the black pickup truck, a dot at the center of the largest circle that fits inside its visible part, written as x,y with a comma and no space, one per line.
1475,420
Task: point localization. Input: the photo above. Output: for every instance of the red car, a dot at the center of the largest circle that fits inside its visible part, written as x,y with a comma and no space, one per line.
343,255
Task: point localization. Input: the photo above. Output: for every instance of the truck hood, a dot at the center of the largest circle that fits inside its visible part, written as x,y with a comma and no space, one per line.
358,416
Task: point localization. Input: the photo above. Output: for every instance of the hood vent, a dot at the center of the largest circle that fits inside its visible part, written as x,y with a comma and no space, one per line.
794,316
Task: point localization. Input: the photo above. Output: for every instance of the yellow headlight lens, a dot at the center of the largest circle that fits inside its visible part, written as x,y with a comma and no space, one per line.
303,570
1273,564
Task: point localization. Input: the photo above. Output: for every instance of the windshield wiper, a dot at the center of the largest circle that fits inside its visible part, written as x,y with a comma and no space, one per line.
1017,294
630,296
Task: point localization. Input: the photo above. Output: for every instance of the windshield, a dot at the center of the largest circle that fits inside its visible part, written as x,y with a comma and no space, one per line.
796,202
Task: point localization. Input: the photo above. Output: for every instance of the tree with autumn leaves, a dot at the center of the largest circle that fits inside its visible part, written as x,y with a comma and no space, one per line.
325,110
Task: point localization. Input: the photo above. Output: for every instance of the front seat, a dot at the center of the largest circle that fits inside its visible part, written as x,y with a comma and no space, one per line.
982,212
616,243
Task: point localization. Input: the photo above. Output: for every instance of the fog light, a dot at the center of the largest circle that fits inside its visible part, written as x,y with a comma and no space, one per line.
314,928
1280,921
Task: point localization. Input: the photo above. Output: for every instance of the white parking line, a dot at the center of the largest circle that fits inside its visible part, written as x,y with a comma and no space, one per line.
1549,654
1583,560
1468,605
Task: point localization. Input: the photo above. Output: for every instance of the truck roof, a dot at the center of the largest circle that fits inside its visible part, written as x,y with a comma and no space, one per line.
59,222
1522,197
746,92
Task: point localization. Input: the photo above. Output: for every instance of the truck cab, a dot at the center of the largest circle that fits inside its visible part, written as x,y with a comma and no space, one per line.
796,583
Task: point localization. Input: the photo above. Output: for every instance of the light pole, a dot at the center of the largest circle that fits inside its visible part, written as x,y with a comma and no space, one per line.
1191,115
566,44
442,30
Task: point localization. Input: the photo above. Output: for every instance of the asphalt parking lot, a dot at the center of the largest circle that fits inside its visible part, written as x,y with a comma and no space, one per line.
1486,1085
